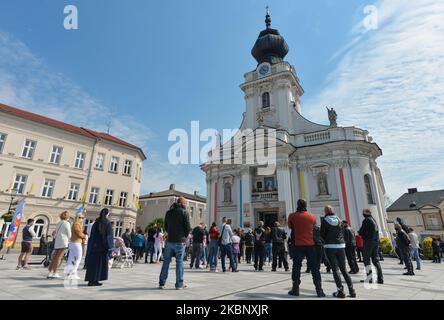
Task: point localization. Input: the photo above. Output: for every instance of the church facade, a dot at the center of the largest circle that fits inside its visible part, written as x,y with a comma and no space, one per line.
324,164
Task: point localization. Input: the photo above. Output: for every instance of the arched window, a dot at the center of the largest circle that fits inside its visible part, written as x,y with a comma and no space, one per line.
265,100
227,192
39,228
368,189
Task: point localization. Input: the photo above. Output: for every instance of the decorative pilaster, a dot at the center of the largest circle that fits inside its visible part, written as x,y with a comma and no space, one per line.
245,199
284,185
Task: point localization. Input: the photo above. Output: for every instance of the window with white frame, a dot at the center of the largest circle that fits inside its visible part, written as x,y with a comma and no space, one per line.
118,228
56,154
86,223
114,164
2,141
94,195
109,197
123,198
140,173
73,191
39,227
100,160
419,221
20,183
191,211
48,188
127,167
80,160
29,149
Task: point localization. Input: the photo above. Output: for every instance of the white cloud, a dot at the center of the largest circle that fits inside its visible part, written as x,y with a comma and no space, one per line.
391,82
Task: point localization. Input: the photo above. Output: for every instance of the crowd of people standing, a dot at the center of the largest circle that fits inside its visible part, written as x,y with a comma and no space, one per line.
331,242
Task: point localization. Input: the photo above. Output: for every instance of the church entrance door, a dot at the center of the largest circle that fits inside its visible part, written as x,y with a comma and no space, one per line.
269,218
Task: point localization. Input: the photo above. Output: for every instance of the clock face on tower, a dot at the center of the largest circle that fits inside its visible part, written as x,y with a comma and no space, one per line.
264,69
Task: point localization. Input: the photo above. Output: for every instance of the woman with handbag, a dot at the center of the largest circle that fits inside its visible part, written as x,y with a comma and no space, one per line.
61,238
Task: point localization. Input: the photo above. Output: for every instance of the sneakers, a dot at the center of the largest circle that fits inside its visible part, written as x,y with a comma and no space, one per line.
339,294
74,276
56,276
409,273
183,287
18,268
50,276
352,293
320,293
161,286
294,290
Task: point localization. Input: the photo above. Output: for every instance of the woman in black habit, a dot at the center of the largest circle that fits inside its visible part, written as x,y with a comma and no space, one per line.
100,244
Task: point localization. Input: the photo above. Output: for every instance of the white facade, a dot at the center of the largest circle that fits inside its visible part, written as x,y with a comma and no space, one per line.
326,165
63,167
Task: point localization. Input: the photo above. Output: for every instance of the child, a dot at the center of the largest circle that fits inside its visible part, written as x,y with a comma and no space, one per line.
235,240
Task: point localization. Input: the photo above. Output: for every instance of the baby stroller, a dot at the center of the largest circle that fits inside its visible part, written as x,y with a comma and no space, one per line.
122,256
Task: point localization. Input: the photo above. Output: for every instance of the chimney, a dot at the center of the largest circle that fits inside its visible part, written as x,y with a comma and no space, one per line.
196,193
412,190
172,186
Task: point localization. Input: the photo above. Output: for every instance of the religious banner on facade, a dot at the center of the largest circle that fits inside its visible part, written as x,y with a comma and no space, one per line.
15,223
246,209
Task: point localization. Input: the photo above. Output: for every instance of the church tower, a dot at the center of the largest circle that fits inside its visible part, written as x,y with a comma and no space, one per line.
323,164
272,90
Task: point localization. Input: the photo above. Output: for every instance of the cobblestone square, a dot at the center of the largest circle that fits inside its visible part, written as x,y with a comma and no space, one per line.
141,283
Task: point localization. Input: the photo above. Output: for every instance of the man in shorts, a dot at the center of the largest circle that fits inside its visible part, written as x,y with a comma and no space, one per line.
28,235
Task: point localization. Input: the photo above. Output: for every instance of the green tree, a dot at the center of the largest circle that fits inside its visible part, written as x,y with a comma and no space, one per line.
159,221
7,217
427,247
386,245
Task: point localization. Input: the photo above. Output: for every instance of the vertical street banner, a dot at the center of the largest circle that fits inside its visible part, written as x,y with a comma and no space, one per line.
15,223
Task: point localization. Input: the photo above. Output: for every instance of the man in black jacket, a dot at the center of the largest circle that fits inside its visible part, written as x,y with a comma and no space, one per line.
198,239
370,234
177,226
259,247
350,247
403,244
149,244
278,236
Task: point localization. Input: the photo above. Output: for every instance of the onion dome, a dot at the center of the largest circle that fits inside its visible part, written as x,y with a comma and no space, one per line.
270,46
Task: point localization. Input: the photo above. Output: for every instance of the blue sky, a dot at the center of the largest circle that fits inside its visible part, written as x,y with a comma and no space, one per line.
152,66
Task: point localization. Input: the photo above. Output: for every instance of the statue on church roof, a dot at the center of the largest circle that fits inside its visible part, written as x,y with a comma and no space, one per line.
332,116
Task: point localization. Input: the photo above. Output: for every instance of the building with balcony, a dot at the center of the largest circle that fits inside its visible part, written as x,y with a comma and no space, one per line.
55,166
156,204
423,211
324,164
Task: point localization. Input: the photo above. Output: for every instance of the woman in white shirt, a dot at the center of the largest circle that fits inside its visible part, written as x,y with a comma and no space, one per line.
61,235
158,245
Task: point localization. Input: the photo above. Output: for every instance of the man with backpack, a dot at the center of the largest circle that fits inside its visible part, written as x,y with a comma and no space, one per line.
278,236
403,243
350,247
370,234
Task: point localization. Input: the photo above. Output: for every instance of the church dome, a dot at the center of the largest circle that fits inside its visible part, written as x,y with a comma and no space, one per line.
270,46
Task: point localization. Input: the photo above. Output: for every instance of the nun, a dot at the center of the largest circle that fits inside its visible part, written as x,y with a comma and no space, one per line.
99,249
